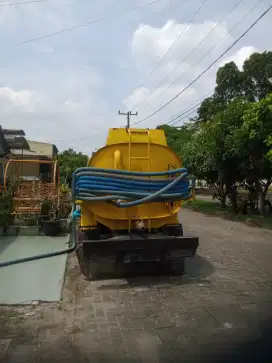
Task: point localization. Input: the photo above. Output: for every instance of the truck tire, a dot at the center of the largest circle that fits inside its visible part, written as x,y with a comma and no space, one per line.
173,230
92,270
174,266
82,261
87,268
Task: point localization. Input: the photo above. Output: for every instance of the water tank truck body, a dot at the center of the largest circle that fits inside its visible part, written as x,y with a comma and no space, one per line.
128,209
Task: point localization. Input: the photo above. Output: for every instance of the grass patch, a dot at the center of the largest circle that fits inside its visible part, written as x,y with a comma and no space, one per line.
214,209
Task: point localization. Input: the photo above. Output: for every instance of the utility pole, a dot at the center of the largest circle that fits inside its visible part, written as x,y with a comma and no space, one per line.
128,114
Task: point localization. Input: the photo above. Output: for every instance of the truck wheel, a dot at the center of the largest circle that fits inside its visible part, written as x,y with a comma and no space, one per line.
87,268
178,266
173,229
174,266
92,270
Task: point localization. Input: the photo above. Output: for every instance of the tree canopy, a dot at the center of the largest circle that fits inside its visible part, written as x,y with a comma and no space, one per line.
69,160
178,136
252,83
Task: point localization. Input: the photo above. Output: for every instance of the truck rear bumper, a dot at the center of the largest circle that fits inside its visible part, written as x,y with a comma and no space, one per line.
135,248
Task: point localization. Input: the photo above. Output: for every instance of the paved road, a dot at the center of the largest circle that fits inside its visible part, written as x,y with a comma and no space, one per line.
222,303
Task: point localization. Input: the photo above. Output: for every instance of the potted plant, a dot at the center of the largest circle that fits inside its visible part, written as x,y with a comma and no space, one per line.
46,206
65,190
29,225
51,227
64,212
50,223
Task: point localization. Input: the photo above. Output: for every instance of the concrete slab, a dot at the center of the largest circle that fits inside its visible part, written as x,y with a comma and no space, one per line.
36,280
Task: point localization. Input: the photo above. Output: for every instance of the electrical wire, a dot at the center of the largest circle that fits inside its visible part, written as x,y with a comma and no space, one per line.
81,138
192,51
199,60
23,3
230,31
172,45
186,116
208,68
95,21
183,113
179,117
183,116
210,93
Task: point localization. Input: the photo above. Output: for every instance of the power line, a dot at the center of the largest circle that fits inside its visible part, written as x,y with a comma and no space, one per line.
187,110
88,137
200,59
23,3
186,116
172,45
69,140
86,24
183,116
210,93
184,59
192,109
213,63
230,31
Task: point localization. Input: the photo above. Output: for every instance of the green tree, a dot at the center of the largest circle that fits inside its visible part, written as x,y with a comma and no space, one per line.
209,155
253,83
229,82
69,160
257,75
209,109
177,136
269,144
250,142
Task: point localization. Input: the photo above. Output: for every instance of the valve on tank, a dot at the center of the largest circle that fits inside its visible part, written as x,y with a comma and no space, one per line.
140,226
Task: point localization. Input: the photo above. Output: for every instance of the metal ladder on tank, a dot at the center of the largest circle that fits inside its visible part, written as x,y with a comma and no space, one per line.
130,158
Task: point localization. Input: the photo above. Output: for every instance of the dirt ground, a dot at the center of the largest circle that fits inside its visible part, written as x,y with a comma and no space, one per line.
218,311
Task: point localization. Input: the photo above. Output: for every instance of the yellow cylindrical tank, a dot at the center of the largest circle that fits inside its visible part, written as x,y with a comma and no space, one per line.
134,150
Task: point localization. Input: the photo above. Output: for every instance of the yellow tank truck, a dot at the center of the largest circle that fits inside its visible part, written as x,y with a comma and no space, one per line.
127,202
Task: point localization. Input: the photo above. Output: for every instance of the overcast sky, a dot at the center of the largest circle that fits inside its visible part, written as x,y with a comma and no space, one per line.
67,88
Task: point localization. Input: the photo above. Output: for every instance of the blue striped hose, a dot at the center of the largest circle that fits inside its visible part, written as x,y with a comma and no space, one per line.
129,188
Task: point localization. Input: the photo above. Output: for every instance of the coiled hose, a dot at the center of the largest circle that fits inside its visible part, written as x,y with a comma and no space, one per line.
127,188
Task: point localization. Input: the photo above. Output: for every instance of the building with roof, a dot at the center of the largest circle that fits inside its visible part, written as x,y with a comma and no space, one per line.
14,145
37,150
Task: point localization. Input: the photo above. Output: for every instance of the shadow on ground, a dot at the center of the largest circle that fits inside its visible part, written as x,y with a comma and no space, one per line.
5,242
197,269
